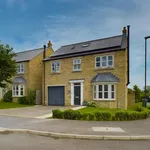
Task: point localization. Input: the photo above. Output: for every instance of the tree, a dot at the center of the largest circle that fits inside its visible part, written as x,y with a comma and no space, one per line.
7,64
137,91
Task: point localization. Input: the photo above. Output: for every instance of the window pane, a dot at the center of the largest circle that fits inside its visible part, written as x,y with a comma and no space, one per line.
104,58
112,95
97,59
98,64
104,64
110,57
112,87
110,63
100,87
100,95
95,88
105,94
57,64
78,66
105,87
94,94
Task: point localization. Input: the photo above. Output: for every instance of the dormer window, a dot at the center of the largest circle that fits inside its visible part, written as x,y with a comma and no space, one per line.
20,68
86,45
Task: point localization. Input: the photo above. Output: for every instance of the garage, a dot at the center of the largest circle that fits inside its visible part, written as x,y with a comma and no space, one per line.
56,95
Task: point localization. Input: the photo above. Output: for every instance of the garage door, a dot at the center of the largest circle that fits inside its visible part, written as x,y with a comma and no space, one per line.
56,95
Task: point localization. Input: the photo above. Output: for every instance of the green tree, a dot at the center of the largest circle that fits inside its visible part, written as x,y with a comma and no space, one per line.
137,92
7,64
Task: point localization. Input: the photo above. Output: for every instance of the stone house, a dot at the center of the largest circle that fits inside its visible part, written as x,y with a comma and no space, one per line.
93,70
29,72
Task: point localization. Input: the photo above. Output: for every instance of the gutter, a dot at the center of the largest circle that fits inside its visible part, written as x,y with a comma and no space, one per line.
128,56
44,55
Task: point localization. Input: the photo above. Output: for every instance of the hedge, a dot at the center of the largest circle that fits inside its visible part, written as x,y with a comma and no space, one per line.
101,116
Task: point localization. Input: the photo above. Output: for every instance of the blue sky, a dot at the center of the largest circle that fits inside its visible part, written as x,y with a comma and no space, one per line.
28,24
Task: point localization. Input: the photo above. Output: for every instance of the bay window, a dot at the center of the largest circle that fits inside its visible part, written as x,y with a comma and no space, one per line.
18,90
104,92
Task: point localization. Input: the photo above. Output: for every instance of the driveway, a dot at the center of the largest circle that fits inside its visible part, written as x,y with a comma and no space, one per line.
31,112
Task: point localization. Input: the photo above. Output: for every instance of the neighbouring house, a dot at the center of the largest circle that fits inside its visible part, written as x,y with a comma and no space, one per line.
93,70
30,72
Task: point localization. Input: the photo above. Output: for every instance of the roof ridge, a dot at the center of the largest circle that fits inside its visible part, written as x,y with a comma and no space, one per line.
29,50
92,40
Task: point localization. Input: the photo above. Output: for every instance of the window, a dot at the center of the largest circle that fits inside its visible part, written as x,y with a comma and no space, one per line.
104,92
20,68
76,64
18,90
104,61
55,67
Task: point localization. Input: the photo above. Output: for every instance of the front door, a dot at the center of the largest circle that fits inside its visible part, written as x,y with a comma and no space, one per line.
77,94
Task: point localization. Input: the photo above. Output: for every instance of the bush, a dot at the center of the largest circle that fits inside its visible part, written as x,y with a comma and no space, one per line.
139,108
71,114
92,104
31,96
8,96
91,116
23,100
58,114
103,116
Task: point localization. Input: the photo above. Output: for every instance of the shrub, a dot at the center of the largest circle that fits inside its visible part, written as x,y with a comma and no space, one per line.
103,116
31,97
91,116
71,114
8,96
92,104
139,108
84,116
23,100
58,114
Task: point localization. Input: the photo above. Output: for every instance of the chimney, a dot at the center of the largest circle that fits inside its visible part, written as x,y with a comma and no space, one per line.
49,44
124,31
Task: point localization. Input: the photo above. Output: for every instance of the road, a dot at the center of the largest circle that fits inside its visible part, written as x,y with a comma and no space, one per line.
31,142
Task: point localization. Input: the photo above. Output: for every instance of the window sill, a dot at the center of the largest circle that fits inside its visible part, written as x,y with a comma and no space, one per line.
17,96
20,73
77,71
108,68
55,73
105,100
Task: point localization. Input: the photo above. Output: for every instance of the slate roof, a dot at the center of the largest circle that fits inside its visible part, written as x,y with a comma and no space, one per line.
105,77
99,45
19,80
27,55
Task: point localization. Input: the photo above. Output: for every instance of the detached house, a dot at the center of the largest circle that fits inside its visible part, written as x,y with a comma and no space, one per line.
93,70
29,72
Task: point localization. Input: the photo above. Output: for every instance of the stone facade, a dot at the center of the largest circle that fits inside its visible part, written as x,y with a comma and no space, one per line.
87,72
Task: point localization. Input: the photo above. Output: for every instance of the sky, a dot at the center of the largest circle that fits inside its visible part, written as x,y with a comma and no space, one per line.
29,24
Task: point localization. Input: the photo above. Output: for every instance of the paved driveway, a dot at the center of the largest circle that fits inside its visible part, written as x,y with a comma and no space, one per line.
31,112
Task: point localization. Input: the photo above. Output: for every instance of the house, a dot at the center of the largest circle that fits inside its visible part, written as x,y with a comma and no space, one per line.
93,70
29,72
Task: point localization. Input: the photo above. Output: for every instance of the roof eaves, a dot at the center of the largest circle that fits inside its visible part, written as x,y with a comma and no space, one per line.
84,53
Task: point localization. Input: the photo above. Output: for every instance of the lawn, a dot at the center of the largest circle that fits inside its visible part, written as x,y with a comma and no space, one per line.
93,109
7,105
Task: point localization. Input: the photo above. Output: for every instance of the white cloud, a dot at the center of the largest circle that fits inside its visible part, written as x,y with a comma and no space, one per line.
94,22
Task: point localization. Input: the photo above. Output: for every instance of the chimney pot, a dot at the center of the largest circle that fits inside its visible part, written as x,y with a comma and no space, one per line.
124,31
49,44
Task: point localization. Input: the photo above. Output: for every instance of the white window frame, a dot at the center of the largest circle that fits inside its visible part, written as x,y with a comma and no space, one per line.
109,91
74,63
56,67
20,68
14,92
107,66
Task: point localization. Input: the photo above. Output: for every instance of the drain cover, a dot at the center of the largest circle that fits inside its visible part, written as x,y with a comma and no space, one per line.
107,129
